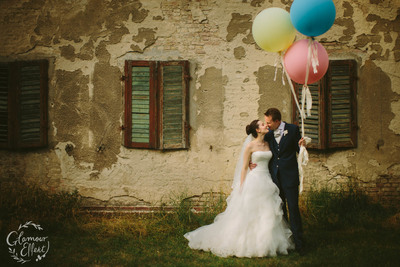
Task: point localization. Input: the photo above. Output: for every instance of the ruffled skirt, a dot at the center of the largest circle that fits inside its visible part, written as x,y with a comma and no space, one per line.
252,224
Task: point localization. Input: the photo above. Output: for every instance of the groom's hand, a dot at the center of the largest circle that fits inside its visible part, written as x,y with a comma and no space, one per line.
302,142
252,165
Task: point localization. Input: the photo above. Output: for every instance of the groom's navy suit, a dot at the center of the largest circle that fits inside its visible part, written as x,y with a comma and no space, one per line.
285,174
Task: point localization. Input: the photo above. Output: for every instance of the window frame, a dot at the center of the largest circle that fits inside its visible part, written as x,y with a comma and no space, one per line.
156,90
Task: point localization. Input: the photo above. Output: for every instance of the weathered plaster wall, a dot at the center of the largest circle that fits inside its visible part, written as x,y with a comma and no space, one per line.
232,83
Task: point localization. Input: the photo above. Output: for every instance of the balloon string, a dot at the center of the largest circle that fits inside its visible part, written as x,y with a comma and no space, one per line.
308,101
283,75
303,154
294,96
314,57
276,65
308,62
303,99
306,94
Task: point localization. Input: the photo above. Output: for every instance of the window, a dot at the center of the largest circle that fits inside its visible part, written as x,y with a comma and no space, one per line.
333,120
156,104
23,104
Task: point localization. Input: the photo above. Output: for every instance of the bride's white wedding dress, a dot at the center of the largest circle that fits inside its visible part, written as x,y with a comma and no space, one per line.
252,224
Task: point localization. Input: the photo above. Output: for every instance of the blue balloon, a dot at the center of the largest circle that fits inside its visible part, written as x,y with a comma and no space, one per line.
312,17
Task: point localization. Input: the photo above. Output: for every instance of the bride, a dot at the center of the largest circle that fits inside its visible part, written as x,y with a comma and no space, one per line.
252,224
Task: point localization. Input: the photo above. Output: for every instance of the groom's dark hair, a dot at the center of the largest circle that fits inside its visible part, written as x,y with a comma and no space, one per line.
274,113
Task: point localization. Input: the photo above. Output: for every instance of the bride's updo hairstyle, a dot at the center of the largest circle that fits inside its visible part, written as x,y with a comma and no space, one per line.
252,128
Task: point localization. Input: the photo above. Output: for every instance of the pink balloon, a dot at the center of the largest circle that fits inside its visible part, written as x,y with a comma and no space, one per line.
295,60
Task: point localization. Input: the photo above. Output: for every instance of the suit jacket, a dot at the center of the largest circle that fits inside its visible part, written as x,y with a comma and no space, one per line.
284,157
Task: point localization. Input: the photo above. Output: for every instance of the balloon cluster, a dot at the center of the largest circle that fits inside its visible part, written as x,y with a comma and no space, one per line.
305,61
274,30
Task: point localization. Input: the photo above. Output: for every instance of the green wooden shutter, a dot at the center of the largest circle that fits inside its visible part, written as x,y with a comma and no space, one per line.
140,104
23,104
32,102
342,104
173,111
4,85
313,125
336,106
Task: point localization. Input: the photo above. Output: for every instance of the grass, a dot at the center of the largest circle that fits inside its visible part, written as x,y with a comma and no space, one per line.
341,229
342,209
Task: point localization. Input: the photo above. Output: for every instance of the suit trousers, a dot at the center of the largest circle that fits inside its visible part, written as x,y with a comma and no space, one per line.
290,198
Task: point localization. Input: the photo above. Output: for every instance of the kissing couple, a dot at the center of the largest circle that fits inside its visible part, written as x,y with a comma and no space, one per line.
265,188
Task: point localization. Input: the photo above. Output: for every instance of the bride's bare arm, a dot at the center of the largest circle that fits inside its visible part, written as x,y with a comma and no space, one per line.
246,160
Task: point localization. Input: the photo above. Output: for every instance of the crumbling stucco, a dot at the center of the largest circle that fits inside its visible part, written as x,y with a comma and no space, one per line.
69,100
145,36
210,99
239,52
375,117
239,24
273,93
232,83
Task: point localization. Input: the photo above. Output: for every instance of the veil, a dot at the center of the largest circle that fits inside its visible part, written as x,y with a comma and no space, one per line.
239,164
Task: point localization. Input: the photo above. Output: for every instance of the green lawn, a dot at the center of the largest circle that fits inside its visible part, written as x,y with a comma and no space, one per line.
131,240
340,230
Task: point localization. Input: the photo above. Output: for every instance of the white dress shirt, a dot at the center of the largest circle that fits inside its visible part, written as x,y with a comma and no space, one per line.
280,130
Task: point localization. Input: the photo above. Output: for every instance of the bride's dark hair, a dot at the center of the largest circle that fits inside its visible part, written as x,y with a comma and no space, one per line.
252,128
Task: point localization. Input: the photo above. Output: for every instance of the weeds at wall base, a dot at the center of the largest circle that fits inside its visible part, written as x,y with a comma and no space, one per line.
323,208
345,208
21,201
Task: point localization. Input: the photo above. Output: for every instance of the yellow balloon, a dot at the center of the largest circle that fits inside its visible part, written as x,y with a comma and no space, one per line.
273,30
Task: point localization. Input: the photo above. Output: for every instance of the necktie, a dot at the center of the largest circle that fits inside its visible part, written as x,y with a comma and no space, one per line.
277,133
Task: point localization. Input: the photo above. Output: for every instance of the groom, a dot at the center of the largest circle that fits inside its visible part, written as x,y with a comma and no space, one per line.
284,141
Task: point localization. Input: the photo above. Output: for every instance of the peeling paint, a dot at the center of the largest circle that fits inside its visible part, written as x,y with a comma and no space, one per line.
348,33
395,122
373,163
54,128
239,52
65,160
210,98
147,36
232,82
239,24
272,93
348,10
